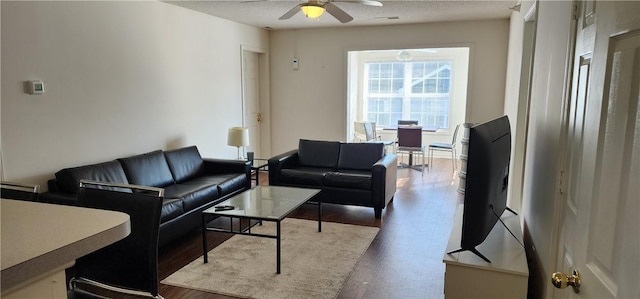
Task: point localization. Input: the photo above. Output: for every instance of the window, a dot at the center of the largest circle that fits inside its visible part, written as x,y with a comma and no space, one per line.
424,84
416,90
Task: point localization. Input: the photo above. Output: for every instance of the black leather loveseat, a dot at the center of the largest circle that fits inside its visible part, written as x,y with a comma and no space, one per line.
191,184
347,173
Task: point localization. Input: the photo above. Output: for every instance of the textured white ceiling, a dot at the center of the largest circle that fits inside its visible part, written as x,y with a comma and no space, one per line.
265,13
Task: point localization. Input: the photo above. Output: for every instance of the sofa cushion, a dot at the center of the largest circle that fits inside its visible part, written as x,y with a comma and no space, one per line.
351,180
68,179
360,156
232,183
309,176
227,183
149,169
171,208
315,153
192,195
184,163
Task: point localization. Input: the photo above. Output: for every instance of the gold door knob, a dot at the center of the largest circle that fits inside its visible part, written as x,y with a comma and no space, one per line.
259,117
561,280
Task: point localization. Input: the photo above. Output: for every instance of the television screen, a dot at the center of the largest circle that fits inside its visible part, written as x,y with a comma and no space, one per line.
487,176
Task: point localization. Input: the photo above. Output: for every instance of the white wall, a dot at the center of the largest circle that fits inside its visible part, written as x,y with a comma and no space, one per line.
121,78
521,36
312,102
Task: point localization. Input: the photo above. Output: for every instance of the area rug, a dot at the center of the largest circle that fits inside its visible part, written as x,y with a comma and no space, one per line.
314,264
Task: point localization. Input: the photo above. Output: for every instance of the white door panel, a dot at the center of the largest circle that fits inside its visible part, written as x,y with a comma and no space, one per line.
600,234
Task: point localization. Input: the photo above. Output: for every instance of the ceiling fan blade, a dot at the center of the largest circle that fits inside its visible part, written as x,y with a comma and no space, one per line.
365,2
291,12
337,13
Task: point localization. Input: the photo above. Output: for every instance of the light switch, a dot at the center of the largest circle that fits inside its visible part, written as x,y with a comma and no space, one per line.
295,64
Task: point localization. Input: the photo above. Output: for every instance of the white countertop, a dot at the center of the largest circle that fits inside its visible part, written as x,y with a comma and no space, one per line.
38,238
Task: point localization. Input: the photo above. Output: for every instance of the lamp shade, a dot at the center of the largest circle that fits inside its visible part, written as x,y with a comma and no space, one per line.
312,11
238,136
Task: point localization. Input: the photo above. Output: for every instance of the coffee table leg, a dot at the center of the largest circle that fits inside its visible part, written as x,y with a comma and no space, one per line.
204,239
278,246
258,177
319,215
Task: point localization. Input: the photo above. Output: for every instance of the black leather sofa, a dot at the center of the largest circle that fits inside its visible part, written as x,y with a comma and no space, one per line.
347,173
191,184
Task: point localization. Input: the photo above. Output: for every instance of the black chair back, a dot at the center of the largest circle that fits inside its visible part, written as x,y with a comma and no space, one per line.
131,263
409,137
19,191
407,122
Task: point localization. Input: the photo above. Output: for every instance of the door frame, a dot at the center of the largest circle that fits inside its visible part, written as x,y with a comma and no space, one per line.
519,147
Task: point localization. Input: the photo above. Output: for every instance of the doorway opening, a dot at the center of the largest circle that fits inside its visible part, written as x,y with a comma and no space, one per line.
255,100
428,85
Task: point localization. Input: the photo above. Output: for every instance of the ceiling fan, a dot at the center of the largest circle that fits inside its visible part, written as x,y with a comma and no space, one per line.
315,8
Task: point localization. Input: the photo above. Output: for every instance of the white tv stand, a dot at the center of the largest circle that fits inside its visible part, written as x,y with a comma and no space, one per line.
469,276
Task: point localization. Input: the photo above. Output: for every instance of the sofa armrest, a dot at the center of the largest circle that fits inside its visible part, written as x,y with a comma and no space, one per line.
52,185
384,175
221,166
276,163
59,198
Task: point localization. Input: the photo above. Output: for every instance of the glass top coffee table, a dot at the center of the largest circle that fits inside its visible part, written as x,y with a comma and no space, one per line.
262,203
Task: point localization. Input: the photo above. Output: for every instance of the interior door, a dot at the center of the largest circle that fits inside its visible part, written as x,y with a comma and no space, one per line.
251,99
599,235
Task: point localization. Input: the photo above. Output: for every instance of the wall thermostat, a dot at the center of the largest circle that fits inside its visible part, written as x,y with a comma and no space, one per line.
35,87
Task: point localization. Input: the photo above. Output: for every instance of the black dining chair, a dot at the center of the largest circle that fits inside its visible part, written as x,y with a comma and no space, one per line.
410,142
19,191
402,122
129,266
405,123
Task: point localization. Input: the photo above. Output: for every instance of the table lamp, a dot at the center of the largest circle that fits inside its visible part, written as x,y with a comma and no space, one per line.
238,137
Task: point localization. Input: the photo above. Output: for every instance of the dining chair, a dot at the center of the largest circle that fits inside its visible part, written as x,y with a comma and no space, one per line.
371,135
370,131
410,142
402,122
359,131
447,147
19,191
129,266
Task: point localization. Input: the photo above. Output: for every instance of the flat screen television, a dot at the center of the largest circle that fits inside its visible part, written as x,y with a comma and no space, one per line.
487,175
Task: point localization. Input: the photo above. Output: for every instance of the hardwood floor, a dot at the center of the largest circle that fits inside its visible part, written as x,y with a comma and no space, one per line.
403,261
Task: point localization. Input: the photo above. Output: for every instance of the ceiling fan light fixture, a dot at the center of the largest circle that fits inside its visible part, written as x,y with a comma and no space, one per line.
404,55
312,11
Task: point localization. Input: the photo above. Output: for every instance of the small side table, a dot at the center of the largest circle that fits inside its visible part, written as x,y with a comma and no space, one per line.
257,165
